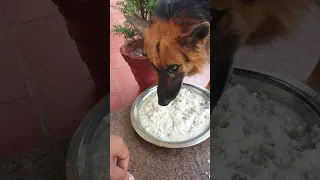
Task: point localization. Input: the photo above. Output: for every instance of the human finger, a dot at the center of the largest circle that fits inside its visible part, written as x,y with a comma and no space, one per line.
118,173
120,150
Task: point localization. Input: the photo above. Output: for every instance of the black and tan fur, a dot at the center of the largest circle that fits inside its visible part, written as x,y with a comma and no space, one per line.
177,36
177,41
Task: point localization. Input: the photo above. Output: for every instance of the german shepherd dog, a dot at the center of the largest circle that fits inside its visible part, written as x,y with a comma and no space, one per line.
185,34
177,42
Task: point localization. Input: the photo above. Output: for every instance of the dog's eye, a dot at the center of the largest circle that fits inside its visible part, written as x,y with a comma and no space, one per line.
173,68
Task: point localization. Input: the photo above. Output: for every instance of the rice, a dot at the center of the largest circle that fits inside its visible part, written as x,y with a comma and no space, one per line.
257,137
184,118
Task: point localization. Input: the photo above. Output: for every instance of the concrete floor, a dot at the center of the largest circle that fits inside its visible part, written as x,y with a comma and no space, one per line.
43,163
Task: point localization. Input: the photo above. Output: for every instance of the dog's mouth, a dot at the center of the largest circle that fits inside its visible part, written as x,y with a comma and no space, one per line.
165,97
168,88
164,102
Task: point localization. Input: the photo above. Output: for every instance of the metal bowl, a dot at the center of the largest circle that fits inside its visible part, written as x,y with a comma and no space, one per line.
146,136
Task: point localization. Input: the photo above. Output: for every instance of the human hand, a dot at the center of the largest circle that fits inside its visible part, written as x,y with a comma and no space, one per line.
119,159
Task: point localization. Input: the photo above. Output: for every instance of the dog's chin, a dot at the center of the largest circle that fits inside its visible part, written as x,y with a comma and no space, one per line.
166,102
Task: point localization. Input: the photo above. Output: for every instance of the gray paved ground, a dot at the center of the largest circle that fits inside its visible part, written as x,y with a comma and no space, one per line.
44,163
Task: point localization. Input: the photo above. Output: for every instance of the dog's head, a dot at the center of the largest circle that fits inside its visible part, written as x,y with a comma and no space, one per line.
176,48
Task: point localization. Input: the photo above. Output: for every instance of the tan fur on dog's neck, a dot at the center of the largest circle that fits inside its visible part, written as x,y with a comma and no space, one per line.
167,34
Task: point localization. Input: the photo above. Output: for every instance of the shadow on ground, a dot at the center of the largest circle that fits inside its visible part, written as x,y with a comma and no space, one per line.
44,163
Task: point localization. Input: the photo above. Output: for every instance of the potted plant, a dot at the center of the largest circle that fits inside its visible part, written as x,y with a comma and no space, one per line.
132,50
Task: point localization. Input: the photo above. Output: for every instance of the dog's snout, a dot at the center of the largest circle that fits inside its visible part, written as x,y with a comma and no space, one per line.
163,100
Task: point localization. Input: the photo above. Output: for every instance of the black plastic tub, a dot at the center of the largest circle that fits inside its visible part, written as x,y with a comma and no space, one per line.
299,96
77,166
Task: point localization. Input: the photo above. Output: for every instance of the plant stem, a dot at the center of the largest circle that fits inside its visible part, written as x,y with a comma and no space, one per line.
142,9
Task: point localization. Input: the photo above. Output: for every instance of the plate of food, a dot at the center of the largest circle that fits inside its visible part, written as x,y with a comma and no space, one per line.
183,123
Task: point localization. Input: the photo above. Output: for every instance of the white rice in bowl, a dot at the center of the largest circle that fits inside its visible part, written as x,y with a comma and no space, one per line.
185,118
259,138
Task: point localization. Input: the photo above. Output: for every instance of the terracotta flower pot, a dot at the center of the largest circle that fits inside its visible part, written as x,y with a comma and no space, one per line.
140,66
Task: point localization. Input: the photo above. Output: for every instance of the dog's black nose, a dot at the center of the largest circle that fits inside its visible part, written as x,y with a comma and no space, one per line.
163,102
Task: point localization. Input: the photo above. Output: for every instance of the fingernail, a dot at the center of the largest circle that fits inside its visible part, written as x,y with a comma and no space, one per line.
131,177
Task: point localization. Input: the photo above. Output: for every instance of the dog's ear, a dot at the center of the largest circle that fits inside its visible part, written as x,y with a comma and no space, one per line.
197,33
138,23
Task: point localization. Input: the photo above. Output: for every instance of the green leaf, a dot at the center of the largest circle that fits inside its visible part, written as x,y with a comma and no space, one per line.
132,8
